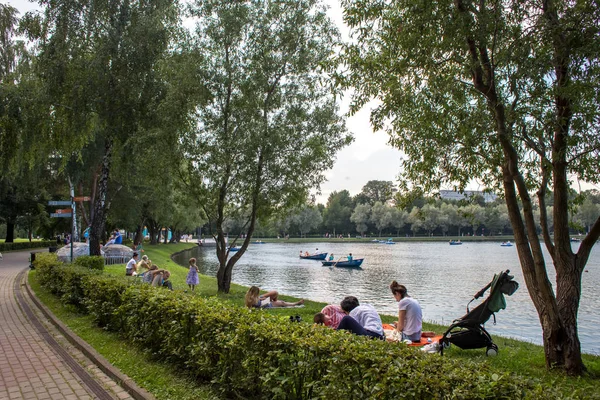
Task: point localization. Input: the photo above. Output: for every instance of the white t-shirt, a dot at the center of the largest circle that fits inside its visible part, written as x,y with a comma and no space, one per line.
414,315
131,264
367,316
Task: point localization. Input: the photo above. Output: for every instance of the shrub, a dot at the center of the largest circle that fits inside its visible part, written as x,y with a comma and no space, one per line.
251,353
90,262
26,245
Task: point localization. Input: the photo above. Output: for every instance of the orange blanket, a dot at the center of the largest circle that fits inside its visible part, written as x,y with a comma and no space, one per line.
388,329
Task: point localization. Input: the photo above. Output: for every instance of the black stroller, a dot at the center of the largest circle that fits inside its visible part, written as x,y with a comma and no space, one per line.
468,332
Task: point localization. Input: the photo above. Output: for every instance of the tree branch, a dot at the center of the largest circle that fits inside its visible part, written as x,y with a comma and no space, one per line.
586,245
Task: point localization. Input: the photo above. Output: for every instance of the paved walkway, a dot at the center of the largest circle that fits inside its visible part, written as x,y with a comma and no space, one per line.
30,367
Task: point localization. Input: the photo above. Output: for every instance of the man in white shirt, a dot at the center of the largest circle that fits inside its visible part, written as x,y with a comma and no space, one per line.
130,267
361,319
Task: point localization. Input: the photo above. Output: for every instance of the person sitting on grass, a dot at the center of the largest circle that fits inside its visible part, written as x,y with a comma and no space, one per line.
410,315
148,276
361,320
130,268
331,316
255,299
161,279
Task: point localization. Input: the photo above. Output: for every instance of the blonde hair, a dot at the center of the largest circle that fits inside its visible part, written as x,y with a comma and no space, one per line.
252,295
145,257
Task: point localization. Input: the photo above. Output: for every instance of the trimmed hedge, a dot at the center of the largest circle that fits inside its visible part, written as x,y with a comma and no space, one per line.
26,245
250,353
90,262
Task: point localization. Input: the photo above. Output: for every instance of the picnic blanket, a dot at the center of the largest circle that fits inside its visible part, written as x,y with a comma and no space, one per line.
390,336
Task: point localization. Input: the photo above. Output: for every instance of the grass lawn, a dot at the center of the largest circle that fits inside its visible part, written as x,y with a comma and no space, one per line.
515,357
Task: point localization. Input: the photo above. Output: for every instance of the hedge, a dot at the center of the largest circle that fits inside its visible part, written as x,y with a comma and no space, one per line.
26,245
251,353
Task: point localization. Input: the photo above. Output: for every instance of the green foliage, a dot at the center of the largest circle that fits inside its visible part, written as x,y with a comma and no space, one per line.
26,245
251,353
90,262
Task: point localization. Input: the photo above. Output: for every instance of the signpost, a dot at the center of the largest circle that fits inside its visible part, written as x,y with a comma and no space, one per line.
67,212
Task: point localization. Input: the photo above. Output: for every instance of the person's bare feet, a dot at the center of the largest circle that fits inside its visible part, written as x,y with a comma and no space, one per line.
300,302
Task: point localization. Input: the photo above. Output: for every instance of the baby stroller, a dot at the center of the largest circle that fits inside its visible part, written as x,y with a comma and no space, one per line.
468,332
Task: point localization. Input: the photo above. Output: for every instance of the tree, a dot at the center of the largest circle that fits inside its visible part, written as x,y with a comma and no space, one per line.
271,114
361,216
399,219
99,61
338,211
376,191
307,219
503,91
381,216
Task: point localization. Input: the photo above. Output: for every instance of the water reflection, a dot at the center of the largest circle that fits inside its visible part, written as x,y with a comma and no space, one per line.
443,278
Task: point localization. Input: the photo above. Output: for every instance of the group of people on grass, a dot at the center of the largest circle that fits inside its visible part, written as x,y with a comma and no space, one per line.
363,319
148,272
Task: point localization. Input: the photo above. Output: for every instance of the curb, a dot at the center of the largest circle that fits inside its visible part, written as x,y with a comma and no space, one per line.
102,363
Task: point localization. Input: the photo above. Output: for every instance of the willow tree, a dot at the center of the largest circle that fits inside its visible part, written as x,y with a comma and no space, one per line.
272,125
503,91
98,60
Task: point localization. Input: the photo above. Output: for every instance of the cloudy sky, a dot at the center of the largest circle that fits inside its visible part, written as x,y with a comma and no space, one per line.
367,158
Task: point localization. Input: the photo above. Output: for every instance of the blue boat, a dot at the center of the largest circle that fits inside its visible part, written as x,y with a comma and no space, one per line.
232,249
347,264
506,244
455,242
320,256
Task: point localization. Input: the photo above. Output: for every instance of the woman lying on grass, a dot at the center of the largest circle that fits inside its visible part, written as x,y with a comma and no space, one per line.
267,300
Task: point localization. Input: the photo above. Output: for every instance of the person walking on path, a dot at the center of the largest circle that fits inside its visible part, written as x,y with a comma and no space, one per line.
192,277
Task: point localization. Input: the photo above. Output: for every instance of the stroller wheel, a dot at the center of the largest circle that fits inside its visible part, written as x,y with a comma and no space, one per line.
492,350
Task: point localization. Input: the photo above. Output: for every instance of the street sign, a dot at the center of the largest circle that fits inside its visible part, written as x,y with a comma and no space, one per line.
64,211
59,203
57,215
82,198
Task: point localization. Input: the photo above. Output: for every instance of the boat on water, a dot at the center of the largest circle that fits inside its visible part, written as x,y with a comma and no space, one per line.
320,256
455,242
575,239
231,249
344,264
506,244
259,242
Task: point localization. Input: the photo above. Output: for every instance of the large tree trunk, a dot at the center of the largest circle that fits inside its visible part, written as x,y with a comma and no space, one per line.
10,232
99,214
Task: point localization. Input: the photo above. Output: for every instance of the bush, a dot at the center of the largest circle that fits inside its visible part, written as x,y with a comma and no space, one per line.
90,262
26,245
251,353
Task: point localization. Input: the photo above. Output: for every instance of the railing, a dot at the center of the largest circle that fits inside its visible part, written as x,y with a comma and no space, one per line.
112,260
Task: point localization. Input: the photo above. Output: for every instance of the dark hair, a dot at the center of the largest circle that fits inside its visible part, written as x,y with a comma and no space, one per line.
135,254
349,303
397,288
319,318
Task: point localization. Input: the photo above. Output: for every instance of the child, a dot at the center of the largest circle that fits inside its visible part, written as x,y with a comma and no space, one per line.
192,276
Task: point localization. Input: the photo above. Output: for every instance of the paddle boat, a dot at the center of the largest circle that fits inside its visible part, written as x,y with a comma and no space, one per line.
573,239
259,242
455,242
506,244
319,256
232,249
389,241
344,264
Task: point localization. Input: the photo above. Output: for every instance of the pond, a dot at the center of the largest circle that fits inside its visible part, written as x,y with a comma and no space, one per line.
443,278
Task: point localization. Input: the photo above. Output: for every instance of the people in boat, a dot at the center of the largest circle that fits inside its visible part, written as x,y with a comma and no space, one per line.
300,253
410,315
306,254
331,257
349,257
360,319
316,251
331,315
254,299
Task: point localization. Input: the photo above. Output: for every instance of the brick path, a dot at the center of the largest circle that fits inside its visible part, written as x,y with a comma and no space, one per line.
29,367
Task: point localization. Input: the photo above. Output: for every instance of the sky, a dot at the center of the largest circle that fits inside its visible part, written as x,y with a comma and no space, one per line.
369,157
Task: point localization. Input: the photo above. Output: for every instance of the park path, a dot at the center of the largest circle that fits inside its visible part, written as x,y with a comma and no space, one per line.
33,365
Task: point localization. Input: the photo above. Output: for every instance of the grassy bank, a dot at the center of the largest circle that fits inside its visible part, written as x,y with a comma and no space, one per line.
515,357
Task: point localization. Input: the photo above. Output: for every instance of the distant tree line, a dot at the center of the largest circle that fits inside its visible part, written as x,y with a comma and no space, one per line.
379,210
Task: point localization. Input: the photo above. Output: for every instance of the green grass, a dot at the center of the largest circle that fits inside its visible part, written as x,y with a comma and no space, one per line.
515,357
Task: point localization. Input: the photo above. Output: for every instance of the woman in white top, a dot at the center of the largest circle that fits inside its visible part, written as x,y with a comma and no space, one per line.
410,315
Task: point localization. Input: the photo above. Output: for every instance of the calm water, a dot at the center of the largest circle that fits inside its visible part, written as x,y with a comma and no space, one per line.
442,277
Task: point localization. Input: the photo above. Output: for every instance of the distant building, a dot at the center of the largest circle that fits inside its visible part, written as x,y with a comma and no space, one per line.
454,195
